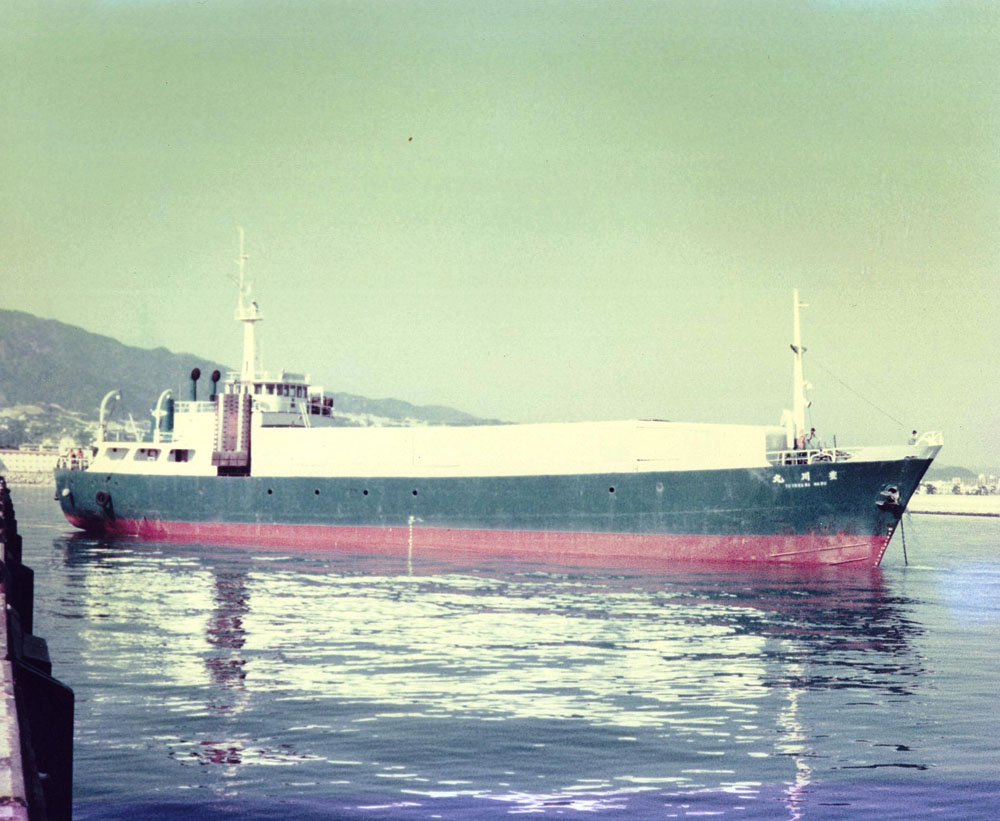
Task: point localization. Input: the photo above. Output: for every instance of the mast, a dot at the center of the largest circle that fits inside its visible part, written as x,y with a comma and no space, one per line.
248,313
799,402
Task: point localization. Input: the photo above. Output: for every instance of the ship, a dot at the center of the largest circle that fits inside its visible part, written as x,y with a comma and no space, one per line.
262,459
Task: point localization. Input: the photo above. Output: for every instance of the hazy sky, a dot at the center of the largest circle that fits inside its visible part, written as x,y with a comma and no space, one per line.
528,210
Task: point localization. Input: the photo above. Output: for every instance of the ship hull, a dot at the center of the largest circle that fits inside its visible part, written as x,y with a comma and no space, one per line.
824,513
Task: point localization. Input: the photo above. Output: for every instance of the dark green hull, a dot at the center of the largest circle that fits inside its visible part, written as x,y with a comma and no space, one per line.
824,513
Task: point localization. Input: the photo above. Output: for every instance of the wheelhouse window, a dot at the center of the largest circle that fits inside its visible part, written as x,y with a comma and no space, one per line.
180,455
147,454
116,453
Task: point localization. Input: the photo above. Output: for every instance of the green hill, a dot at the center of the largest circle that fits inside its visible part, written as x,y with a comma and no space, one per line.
45,362
945,473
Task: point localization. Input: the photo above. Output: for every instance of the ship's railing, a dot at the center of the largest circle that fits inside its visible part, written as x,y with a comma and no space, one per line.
268,376
73,461
194,407
807,456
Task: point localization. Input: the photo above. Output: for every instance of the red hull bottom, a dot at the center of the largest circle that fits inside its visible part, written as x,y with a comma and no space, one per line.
619,548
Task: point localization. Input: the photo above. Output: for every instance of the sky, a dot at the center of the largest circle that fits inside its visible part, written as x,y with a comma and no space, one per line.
531,211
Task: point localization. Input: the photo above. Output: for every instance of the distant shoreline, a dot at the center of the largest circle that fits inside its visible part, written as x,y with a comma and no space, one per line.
944,504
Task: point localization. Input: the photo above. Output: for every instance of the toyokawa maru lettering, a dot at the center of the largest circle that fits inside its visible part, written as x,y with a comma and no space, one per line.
805,480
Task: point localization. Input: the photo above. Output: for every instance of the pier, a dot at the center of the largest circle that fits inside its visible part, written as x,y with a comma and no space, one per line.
36,715
27,465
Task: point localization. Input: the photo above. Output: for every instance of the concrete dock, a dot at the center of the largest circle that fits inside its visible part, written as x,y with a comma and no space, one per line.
36,713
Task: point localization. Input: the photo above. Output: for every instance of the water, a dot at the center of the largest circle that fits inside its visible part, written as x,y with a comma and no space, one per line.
225,683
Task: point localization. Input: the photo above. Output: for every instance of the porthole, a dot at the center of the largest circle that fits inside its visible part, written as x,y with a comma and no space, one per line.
316,491
269,491
659,487
611,490
364,492
414,492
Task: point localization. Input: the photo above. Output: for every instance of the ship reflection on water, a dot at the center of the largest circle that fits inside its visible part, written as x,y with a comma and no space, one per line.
225,633
451,684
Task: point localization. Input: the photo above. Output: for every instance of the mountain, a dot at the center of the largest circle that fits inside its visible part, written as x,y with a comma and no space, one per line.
45,362
396,411
53,377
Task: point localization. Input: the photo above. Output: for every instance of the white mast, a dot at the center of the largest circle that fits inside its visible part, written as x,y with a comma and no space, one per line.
248,313
799,402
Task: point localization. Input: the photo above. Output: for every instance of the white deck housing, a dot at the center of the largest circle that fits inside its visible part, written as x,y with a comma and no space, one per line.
507,450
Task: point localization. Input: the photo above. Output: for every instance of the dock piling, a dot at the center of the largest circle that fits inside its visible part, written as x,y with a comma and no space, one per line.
36,711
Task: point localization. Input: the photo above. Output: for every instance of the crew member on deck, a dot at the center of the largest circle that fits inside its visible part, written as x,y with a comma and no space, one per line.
913,438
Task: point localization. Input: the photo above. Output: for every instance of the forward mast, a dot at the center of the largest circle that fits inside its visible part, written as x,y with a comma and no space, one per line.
799,385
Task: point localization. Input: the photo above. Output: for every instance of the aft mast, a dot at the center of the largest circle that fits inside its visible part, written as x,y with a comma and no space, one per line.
247,312
231,454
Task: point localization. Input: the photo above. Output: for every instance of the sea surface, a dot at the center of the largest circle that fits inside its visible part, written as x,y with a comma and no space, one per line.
238,683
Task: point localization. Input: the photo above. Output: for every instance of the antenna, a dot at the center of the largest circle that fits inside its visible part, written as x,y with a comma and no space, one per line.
241,264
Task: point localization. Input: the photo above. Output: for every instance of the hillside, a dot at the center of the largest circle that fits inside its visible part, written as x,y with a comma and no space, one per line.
43,362
53,377
946,473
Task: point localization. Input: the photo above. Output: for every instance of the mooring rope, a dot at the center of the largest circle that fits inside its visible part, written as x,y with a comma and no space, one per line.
902,532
